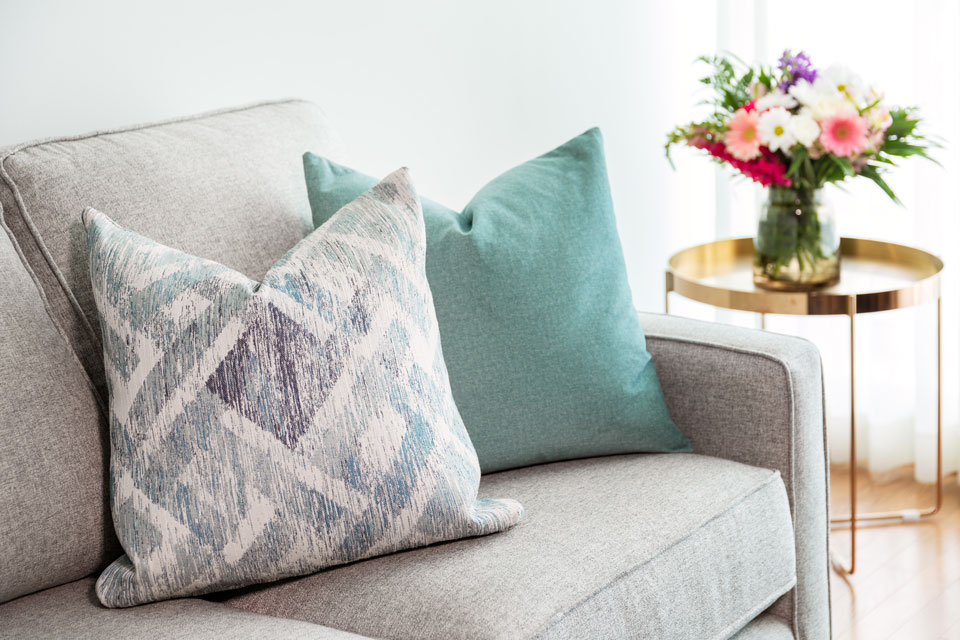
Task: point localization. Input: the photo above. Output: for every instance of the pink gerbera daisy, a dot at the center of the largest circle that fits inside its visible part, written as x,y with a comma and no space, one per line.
844,134
741,138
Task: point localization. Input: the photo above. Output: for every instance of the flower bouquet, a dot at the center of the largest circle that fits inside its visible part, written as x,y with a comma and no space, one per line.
794,129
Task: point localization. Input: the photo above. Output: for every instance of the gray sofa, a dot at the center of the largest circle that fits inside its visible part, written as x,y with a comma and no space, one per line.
729,541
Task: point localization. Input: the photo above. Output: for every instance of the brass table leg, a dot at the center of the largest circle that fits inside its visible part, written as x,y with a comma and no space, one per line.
835,560
903,515
668,286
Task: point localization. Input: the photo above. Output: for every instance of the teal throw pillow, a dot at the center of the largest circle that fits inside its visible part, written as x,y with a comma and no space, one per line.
546,355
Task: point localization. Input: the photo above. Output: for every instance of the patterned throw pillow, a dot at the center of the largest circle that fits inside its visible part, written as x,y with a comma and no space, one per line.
265,430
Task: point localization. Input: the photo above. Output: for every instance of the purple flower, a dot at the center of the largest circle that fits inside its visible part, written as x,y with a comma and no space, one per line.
794,68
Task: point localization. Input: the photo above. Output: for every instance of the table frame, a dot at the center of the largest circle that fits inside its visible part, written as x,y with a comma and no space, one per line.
684,275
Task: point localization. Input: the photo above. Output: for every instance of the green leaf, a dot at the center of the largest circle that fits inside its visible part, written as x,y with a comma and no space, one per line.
799,155
843,164
871,172
884,160
896,147
730,87
827,170
904,123
904,149
766,77
810,173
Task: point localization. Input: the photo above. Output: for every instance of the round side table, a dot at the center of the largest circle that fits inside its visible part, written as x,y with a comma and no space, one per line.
875,276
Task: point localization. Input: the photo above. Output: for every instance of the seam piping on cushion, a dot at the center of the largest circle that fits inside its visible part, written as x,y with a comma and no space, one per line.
561,614
150,125
45,252
793,458
51,263
101,405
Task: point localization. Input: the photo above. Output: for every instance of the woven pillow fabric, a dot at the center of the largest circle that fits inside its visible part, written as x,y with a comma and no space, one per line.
546,355
265,430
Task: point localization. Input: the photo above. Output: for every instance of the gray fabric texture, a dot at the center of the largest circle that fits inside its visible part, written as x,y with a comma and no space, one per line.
757,398
643,545
227,186
72,611
766,626
55,522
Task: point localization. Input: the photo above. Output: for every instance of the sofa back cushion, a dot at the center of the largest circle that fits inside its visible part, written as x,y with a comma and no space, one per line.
227,186
55,522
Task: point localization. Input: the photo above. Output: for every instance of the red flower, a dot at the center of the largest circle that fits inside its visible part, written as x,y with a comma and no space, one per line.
767,169
750,106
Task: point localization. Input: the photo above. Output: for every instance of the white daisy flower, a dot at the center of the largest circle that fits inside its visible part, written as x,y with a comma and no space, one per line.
804,128
803,92
775,98
773,127
840,79
830,104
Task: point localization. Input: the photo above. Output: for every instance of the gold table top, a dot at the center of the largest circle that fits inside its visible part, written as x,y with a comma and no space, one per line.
874,276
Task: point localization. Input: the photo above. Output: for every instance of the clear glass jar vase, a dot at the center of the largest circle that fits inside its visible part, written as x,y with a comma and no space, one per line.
797,247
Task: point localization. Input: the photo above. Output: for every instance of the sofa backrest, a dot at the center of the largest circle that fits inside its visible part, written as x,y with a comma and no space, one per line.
227,186
55,523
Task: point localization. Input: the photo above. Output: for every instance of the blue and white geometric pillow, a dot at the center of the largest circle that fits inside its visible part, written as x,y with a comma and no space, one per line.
265,430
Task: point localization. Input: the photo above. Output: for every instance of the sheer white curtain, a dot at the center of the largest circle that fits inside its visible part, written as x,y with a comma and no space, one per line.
911,51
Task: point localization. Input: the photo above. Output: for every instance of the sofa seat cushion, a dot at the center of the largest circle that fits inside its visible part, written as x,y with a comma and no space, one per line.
640,545
766,626
73,611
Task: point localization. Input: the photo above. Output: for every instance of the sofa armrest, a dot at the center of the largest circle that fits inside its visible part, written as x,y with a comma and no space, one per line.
757,398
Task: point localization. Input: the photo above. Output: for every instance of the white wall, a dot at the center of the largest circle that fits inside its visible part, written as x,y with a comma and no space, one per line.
462,90
458,91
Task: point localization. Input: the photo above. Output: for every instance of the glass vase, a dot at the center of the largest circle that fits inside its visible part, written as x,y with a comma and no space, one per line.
797,247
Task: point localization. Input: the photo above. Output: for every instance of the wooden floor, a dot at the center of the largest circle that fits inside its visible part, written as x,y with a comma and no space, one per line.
907,580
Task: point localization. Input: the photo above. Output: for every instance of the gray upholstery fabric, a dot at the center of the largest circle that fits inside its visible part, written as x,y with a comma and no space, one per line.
766,626
645,545
72,611
227,186
757,398
54,518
